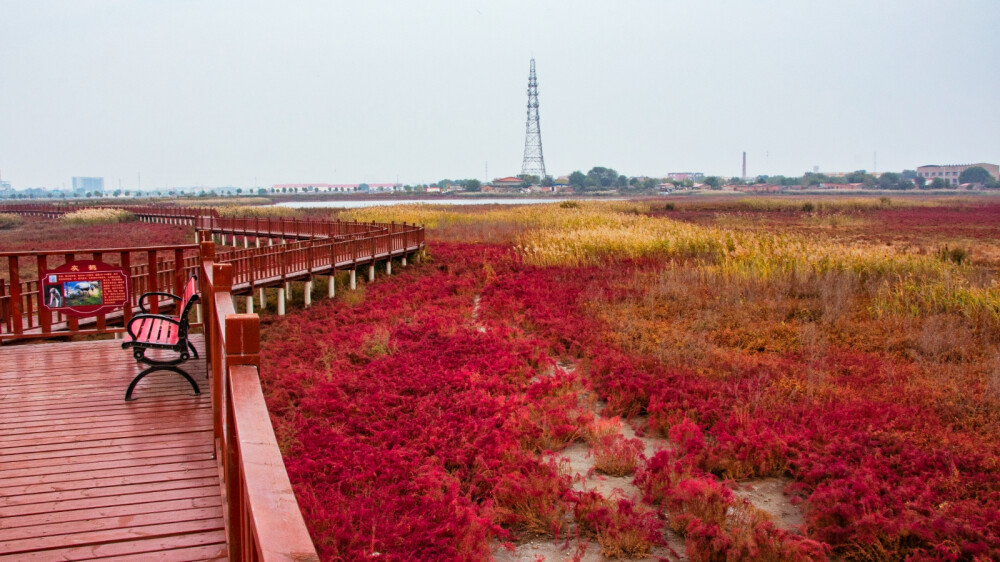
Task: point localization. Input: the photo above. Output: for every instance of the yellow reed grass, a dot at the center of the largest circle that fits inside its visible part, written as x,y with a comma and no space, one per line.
528,216
257,211
431,216
8,220
98,216
947,294
594,233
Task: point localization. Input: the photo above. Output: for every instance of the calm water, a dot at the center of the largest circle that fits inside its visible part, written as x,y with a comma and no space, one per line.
348,204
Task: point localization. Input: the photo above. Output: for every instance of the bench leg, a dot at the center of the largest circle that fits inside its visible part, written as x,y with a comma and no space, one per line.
194,352
135,381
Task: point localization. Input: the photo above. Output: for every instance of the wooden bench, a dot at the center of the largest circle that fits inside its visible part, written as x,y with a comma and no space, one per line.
162,331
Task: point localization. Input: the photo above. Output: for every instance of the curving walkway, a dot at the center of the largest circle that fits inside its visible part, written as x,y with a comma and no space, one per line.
265,254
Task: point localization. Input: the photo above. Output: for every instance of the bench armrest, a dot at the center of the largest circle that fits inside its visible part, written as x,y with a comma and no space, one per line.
140,317
142,307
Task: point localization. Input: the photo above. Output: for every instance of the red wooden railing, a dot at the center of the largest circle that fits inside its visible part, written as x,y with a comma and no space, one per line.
176,215
263,520
23,316
317,247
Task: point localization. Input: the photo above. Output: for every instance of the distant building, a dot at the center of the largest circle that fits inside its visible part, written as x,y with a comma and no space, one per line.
758,188
84,184
336,187
327,187
682,176
950,172
509,183
433,189
94,185
385,186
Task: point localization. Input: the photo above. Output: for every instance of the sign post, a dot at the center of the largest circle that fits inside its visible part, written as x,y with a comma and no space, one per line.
85,288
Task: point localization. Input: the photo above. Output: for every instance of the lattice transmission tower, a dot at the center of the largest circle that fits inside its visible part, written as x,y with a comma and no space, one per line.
534,162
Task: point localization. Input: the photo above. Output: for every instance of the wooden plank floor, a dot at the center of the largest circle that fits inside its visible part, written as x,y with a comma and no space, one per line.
84,474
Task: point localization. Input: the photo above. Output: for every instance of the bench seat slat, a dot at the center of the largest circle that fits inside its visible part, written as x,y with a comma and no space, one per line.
145,329
154,331
168,333
157,331
165,332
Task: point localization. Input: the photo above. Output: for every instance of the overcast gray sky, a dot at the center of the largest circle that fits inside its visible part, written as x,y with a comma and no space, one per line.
220,93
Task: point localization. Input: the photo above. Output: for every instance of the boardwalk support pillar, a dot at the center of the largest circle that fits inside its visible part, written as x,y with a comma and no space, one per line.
288,290
281,300
354,279
249,302
263,299
371,273
388,266
404,260
331,286
307,293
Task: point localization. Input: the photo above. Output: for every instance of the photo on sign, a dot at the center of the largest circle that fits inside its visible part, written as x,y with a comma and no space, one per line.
53,296
82,293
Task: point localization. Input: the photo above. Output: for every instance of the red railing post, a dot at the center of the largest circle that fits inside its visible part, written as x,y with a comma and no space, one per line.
179,280
4,314
222,282
15,294
44,314
152,283
207,255
125,262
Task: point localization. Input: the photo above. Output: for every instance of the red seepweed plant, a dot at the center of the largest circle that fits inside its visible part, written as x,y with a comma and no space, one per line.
623,528
430,451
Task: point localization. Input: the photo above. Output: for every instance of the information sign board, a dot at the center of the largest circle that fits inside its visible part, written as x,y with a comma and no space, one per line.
84,288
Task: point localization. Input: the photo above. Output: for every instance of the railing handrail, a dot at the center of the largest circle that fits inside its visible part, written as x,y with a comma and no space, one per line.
263,518
23,253
327,244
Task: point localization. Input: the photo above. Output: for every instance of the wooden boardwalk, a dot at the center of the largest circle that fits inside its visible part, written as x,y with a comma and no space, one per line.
84,474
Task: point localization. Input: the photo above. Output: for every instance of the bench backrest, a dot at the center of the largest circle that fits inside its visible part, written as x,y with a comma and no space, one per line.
188,299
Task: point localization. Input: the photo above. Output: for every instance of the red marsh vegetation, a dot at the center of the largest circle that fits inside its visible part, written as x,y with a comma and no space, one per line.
418,417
